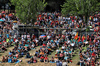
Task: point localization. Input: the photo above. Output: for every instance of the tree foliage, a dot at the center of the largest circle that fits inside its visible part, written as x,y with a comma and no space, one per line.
80,7
26,10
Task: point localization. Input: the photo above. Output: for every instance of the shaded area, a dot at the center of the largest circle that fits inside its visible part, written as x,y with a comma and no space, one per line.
54,5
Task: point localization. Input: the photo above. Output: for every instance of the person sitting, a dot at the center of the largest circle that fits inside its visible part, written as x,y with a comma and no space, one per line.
64,63
13,60
9,60
10,54
6,58
3,59
52,60
61,56
41,53
33,46
17,61
46,59
28,55
3,48
17,55
65,58
56,59
35,60
70,53
30,61
53,46
42,58
36,53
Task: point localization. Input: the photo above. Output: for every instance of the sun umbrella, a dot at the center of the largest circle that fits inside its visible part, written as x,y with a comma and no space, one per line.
35,23
42,36
3,12
1,20
10,15
14,21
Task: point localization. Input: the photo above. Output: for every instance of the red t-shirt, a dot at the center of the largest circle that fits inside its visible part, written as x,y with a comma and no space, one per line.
14,39
44,44
46,58
61,55
0,43
0,16
93,54
42,57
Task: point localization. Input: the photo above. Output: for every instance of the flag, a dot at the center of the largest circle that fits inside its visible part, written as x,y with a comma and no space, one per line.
76,36
83,38
79,39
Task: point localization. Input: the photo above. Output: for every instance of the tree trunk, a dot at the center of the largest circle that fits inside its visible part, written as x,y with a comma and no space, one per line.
86,24
4,7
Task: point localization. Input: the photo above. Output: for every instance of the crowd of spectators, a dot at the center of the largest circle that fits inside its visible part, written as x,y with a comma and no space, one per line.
90,55
65,45
7,33
56,20
9,37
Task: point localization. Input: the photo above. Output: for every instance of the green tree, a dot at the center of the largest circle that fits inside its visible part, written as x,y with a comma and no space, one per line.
81,7
26,10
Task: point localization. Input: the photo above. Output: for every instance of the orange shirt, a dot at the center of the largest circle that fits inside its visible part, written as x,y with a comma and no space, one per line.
42,53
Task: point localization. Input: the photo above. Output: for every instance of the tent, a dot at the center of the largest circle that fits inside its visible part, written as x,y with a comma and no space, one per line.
14,21
3,12
10,15
42,36
1,20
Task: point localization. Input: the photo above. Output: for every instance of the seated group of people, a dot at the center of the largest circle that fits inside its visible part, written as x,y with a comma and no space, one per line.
48,45
10,59
20,49
90,56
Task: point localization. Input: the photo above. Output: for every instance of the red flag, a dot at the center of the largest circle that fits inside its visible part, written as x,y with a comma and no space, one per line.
76,36
83,38
79,39
88,38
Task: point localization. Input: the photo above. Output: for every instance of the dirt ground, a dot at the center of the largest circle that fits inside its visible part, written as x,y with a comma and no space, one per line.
24,60
32,52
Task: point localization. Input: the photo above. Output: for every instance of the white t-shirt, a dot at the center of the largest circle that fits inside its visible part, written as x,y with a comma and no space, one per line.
48,37
64,64
15,36
72,44
28,36
36,40
16,40
57,50
24,36
88,59
68,41
63,47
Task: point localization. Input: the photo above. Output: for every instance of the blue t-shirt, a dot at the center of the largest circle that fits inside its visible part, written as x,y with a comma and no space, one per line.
0,35
0,39
11,40
70,51
7,35
65,58
10,53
